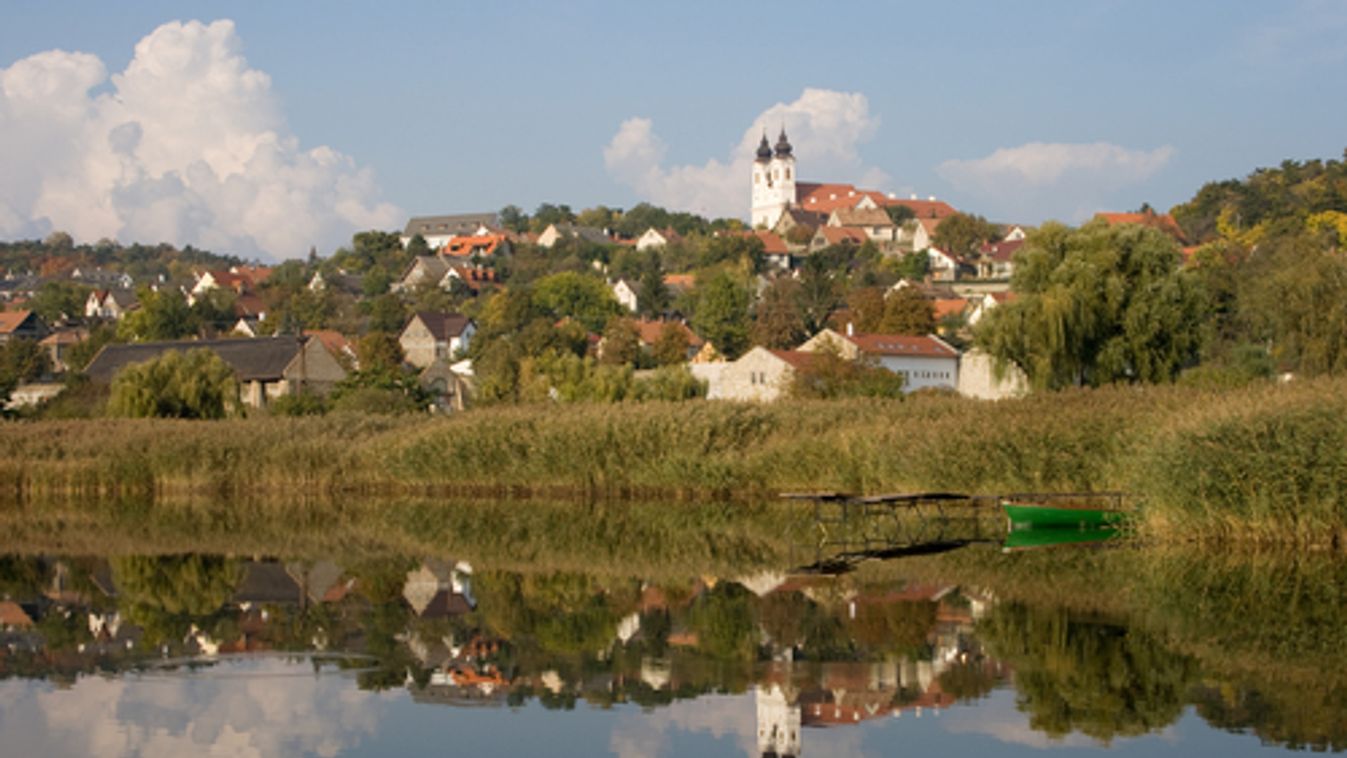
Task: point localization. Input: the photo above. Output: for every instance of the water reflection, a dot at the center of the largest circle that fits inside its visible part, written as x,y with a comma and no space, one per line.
149,645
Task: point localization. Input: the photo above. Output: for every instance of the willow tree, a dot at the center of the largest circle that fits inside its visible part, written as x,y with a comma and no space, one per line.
1098,305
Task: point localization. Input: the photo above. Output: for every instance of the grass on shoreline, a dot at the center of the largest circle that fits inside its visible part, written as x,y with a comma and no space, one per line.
1263,464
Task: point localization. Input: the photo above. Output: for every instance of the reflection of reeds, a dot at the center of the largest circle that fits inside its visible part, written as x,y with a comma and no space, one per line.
1265,463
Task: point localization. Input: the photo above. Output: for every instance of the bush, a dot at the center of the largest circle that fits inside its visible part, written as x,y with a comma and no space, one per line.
303,404
197,384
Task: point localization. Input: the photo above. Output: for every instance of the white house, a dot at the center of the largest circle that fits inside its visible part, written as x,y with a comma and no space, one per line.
978,378
625,294
759,375
438,230
655,238
924,362
943,266
109,304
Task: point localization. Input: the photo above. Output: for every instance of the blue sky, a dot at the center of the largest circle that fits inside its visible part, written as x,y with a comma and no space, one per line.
455,107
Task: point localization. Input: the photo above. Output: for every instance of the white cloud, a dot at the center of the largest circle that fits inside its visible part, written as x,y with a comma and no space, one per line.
188,145
1069,180
250,708
825,127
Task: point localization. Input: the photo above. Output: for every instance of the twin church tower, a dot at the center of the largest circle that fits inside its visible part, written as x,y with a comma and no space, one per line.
773,181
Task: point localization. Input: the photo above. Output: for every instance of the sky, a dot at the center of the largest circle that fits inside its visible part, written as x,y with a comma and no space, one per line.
262,129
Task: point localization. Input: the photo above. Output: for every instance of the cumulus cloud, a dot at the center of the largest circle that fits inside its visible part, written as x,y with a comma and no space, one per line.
1069,179
825,127
187,145
254,708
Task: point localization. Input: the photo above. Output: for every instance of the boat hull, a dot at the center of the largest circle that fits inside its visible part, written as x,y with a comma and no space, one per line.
1033,516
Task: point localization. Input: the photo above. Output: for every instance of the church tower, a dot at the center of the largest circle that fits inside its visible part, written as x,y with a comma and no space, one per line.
773,181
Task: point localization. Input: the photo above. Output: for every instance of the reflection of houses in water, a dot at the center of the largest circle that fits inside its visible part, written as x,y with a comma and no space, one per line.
439,589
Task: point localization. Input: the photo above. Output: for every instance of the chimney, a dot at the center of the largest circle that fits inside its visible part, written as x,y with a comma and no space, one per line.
851,329
931,198
913,196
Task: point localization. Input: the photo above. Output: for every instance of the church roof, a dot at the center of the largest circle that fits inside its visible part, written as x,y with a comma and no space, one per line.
764,149
782,145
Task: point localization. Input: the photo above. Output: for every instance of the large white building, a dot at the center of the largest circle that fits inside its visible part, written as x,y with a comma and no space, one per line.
773,181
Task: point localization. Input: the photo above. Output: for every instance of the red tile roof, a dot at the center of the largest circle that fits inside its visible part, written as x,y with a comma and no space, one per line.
12,615
332,339
796,358
772,244
462,247
11,320
951,306
1001,252
837,235
680,281
651,330
902,344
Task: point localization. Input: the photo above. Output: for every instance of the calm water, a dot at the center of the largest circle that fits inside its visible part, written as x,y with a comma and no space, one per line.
972,651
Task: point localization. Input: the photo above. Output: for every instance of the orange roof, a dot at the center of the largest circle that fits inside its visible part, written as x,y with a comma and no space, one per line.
483,244
681,281
249,305
1163,222
936,209
796,358
255,274
11,320
826,198
1001,251
949,306
651,330
902,345
65,337
332,339
836,235
473,277
12,615
772,244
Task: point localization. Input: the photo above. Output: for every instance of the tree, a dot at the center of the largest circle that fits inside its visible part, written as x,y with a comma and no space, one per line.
417,246
820,289
621,342
652,295
21,360
907,311
513,217
197,384
867,305
722,314
778,319
900,214
1098,305
386,313
961,234
829,374
671,347
548,214
579,296
60,299
379,352
162,315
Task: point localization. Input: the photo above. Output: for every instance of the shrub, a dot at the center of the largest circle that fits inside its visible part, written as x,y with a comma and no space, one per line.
197,384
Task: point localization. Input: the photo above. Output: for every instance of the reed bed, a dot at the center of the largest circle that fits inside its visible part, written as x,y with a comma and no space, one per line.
1262,464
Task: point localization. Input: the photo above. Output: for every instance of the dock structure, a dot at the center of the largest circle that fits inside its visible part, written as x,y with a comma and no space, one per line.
853,528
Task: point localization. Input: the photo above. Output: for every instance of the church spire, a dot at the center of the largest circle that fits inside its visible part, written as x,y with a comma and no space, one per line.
764,148
783,147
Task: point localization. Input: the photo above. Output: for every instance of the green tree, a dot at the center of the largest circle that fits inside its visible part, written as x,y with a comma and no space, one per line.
621,342
961,234
671,347
778,319
907,311
162,315
579,296
386,313
197,384
1098,305
21,360
652,295
60,299
829,375
820,289
379,352
512,217
417,246
722,314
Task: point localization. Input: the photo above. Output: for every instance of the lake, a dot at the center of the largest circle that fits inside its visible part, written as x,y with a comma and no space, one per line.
642,629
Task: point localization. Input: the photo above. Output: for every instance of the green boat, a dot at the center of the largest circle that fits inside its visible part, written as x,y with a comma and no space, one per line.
1032,539
1040,516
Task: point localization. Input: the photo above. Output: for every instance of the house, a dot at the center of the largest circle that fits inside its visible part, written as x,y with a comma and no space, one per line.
58,344
760,375
22,325
438,230
336,344
679,284
247,327
1014,232
339,281
651,330
654,238
266,368
924,362
875,222
448,383
251,306
826,236
429,336
424,269
794,218
922,233
996,260
978,378
554,233
476,246
100,277
776,253
625,294
110,304
982,305
471,277
210,280
943,267
1163,222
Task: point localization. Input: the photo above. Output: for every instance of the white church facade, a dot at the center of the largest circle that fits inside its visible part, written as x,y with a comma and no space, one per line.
773,181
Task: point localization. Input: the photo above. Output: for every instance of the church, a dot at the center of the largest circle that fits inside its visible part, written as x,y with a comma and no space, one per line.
776,191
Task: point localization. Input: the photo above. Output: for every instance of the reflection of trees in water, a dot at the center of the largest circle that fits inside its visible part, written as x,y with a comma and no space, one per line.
1098,678
166,595
1294,716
